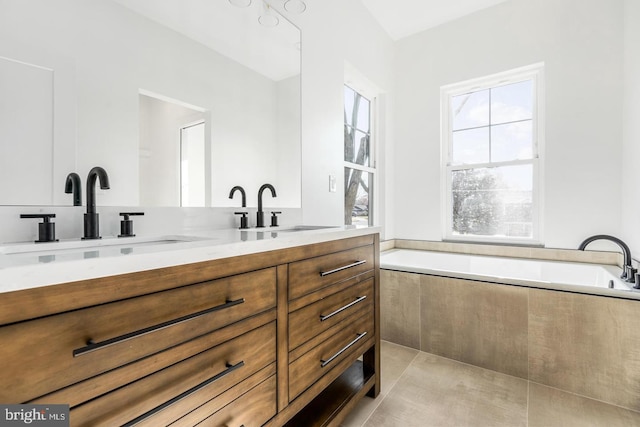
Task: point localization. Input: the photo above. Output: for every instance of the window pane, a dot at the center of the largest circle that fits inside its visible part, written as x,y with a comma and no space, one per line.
349,97
470,146
493,201
512,102
358,203
470,110
512,141
356,147
356,109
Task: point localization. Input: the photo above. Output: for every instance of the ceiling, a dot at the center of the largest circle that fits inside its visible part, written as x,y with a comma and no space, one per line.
229,30
402,18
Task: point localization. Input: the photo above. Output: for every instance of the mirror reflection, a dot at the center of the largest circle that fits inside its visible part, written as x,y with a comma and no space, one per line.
178,101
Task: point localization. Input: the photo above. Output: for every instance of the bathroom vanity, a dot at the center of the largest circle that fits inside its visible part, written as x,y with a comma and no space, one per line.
274,332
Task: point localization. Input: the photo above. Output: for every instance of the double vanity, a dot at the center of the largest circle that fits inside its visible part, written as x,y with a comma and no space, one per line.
234,328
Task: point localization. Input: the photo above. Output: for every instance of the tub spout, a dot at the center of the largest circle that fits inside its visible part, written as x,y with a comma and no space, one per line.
628,272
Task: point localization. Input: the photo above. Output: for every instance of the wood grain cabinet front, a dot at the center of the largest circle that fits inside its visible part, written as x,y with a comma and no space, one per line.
315,318
63,349
338,343
316,273
163,397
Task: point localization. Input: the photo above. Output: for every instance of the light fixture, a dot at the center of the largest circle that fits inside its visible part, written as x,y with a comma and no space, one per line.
267,17
295,6
240,3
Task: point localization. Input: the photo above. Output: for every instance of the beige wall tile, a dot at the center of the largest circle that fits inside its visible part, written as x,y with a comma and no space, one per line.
386,245
586,344
568,255
478,323
552,407
400,308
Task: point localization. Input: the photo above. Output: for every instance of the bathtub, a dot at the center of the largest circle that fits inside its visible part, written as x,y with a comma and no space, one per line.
564,276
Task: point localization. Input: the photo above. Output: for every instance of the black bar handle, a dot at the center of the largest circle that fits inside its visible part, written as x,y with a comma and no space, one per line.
324,363
91,346
344,267
351,304
194,389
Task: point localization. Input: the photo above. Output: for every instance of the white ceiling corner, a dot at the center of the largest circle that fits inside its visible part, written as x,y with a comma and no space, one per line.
402,18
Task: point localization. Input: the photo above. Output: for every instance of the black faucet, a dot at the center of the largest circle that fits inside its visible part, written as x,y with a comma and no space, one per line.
91,222
260,215
241,190
244,221
628,272
73,185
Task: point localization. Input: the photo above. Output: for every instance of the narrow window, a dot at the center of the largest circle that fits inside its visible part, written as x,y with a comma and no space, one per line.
492,131
359,170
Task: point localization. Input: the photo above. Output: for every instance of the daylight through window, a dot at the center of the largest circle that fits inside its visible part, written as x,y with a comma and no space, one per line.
359,172
491,135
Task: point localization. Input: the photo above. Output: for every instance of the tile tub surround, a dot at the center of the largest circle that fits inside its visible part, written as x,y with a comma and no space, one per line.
425,390
550,254
583,344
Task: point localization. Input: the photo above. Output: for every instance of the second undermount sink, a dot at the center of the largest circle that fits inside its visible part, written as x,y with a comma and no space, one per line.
286,229
71,245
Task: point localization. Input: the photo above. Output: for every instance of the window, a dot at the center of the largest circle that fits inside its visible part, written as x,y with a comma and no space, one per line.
359,170
491,130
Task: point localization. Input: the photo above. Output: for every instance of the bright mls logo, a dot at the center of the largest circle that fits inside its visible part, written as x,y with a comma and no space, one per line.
34,415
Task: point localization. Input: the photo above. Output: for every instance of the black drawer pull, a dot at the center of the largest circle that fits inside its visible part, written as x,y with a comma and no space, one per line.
91,346
143,417
324,363
351,304
344,267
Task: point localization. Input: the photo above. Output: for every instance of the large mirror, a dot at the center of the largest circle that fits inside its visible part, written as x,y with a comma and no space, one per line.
179,100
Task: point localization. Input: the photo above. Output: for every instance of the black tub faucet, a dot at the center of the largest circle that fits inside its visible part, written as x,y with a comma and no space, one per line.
91,221
74,185
260,214
628,272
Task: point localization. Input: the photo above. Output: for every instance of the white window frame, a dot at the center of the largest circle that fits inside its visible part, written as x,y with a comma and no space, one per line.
370,95
533,72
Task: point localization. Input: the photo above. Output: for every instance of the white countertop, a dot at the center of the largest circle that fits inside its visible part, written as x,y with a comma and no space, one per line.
64,261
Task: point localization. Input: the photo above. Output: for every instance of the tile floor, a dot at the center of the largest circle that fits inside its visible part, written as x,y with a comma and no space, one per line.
422,390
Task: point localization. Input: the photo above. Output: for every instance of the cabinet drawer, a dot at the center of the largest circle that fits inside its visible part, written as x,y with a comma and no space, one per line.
165,396
252,409
347,339
315,273
55,350
315,318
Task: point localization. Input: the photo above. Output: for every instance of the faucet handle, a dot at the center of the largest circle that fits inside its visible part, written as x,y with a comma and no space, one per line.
126,225
244,221
46,229
274,218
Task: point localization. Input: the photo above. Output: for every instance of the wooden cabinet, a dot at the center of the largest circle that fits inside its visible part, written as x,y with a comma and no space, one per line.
250,340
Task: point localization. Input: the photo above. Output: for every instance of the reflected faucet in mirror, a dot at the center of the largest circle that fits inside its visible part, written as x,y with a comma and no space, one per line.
91,220
260,214
244,222
241,190
74,185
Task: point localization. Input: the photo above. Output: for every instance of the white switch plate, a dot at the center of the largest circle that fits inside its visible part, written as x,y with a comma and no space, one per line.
332,184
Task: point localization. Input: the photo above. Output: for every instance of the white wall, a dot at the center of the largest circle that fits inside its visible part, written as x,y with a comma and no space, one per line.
631,127
334,31
580,43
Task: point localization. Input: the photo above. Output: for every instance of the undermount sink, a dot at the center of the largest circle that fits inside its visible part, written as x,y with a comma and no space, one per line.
291,229
71,245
